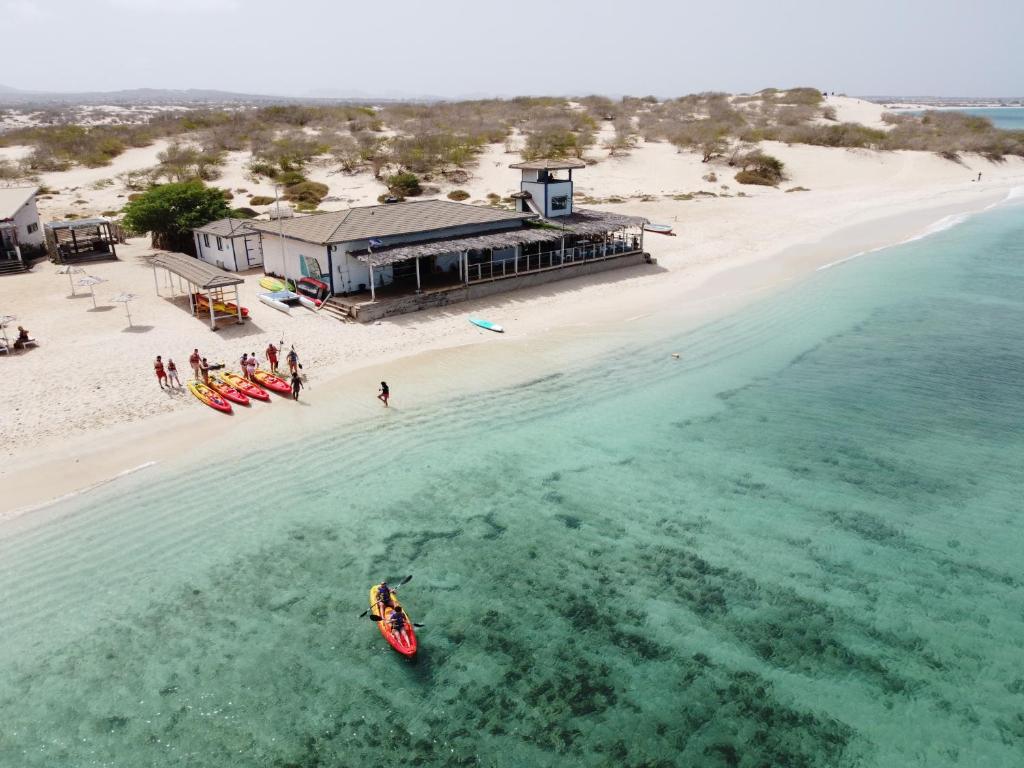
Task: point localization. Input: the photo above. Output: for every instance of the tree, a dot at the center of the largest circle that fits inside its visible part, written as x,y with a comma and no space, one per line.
169,212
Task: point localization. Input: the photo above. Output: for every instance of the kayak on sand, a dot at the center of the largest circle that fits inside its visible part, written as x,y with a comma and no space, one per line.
228,392
207,395
245,386
272,382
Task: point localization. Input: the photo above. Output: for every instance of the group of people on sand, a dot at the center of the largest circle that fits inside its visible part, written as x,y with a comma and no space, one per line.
167,372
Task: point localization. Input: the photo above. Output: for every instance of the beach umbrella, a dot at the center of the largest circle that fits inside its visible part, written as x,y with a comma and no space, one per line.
69,270
89,281
6,320
126,299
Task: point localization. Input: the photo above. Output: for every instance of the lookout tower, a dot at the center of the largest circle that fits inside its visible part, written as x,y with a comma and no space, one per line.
545,189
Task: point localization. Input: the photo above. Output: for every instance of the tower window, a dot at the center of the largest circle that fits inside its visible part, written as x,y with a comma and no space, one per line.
560,203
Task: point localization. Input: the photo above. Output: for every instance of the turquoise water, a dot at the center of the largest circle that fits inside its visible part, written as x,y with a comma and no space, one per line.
798,545
1007,118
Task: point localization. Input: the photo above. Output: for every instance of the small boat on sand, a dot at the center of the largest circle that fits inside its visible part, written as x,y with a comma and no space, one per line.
660,229
285,300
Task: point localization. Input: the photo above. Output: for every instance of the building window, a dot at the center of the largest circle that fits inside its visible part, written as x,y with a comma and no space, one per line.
206,240
560,203
220,246
33,227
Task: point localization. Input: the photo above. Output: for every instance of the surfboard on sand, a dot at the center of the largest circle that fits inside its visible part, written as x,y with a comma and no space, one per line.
486,325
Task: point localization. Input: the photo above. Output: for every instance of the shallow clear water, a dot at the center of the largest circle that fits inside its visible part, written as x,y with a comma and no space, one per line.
797,545
1007,118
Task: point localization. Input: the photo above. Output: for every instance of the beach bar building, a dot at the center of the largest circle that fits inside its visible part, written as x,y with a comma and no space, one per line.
230,244
389,259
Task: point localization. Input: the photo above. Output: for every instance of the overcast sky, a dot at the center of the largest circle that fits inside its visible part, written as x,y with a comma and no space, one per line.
479,47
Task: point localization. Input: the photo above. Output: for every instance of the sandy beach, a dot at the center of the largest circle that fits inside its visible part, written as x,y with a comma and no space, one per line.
84,406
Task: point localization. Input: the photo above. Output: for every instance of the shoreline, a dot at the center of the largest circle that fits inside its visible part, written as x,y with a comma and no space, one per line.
49,473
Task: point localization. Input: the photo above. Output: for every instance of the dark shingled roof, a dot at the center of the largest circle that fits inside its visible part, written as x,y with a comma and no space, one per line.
387,221
226,228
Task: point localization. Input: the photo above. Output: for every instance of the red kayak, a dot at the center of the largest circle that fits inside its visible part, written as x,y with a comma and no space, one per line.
245,386
228,392
272,382
405,641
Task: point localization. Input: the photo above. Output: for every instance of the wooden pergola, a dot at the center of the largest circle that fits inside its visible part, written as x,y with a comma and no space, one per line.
76,240
203,280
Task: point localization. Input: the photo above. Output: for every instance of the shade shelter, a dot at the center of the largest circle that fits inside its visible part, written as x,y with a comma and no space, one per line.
78,240
204,281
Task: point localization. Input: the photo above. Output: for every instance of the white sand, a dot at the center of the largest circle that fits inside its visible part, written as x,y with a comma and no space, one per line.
91,375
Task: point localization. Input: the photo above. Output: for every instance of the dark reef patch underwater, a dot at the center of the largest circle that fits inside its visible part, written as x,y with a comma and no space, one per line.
798,546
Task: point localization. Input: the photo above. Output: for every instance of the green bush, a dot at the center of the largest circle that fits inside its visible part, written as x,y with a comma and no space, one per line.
753,177
404,184
260,200
288,178
458,195
244,213
306,194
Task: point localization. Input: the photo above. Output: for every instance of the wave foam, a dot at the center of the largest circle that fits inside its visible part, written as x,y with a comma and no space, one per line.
946,222
78,492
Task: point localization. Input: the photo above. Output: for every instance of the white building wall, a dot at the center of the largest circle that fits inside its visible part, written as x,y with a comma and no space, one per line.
222,257
289,263
27,218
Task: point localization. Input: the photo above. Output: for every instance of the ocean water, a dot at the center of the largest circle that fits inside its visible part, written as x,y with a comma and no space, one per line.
799,544
1007,118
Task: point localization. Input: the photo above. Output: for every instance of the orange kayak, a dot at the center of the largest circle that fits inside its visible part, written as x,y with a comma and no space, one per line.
244,386
228,392
209,396
403,642
270,381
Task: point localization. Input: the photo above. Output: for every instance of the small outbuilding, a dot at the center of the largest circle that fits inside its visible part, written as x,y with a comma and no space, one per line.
230,244
20,235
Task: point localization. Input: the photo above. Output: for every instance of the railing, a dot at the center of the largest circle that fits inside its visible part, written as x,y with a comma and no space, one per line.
541,262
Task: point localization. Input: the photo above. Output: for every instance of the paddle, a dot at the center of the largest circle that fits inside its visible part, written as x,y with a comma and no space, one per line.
375,617
406,580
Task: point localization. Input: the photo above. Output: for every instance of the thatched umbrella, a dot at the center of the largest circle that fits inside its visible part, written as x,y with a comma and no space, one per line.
126,299
90,281
6,320
69,270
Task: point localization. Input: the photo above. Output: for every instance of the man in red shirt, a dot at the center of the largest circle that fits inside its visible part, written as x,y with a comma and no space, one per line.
193,360
161,374
272,357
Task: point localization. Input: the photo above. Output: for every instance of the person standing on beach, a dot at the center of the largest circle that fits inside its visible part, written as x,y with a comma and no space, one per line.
172,373
161,375
272,357
251,367
385,393
204,368
244,364
193,360
293,361
296,385
979,175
